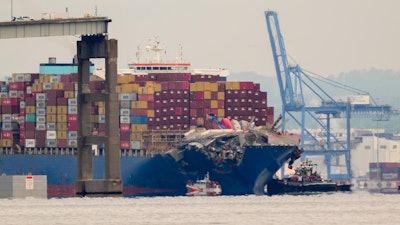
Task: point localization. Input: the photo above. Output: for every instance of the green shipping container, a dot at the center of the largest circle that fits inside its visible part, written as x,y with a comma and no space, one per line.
30,118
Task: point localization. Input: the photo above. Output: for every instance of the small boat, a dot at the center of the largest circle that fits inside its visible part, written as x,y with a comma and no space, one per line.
203,187
305,181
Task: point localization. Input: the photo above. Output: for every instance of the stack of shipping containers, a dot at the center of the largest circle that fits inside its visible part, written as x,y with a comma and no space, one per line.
45,106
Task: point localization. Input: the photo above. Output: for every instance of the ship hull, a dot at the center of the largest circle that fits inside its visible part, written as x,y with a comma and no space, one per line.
160,175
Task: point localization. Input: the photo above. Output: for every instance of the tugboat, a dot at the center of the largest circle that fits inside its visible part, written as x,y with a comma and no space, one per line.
203,187
305,181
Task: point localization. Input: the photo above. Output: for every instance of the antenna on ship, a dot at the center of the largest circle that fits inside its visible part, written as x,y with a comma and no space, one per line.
156,48
180,58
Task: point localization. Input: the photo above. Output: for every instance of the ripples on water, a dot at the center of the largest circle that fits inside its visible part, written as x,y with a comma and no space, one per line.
337,208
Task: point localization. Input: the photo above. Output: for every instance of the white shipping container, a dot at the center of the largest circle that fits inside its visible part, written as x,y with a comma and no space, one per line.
51,126
22,104
72,135
102,118
72,143
3,94
41,119
6,118
124,119
41,96
40,126
40,104
125,112
72,109
30,143
47,86
135,144
72,101
29,90
55,79
40,112
13,94
51,134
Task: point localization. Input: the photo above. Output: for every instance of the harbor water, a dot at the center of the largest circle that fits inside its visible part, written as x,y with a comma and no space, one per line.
336,208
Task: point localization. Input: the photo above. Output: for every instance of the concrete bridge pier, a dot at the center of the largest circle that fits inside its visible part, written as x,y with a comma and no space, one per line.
98,46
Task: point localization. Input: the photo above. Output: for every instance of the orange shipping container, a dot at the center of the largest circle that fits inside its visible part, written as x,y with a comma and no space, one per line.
62,135
136,136
62,109
138,127
69,94
30,110
62,126
6,142
51,118
62,118
37,88
51,110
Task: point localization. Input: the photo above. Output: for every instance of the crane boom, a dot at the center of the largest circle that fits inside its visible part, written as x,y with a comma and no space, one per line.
294,83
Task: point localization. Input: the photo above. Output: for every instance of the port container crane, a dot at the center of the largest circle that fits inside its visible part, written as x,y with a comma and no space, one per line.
298,87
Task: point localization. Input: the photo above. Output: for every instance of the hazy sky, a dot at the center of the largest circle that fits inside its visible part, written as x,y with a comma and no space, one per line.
325,37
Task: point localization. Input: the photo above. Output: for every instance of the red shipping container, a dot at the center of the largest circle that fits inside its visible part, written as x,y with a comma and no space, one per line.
54,93
29,134
125,144
125,127
101,127
73,126
72,118
65,79
125,136
6,109
62,143
69,86
6,134
62,101
30,101
9,101
51,101
30,126
22,112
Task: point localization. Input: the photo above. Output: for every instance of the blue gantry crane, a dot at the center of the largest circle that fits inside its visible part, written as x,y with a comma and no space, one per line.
300,90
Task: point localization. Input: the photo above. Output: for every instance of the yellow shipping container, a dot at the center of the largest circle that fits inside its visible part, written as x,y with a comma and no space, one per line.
62,118
30,109
62,109
193,87
62,135
157,87
150,113
232,85
221,113
136,136
221,95
214,87
123,79
62,126
37,87
44,79
102,110
6,142
150,90
51,110
58,86
138,127
207,86
51,118
69,94
207,95
139,104
214,104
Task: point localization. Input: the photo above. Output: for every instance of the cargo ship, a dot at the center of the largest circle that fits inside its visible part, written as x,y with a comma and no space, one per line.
162,105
